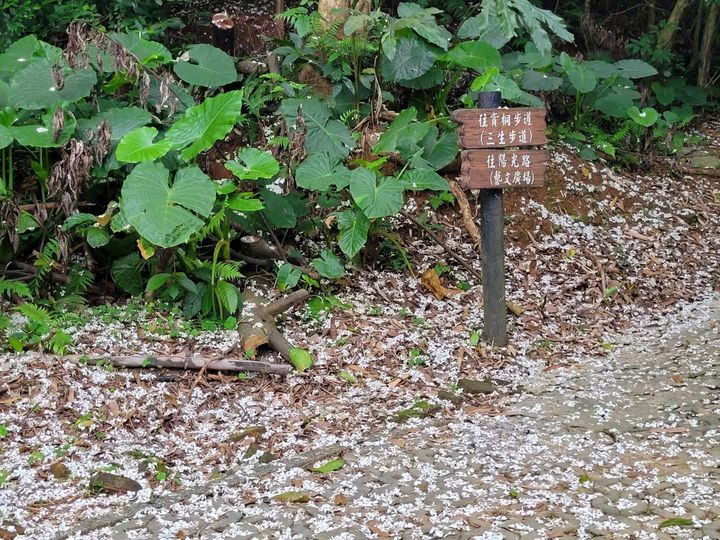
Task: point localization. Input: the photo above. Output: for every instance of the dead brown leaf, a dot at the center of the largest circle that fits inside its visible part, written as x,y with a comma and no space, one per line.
432,283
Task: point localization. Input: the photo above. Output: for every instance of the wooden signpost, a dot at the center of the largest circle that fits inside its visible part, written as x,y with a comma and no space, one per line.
493,145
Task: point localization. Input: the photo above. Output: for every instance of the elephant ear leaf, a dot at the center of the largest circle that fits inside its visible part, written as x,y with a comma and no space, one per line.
138,145
253,164
203,125
167,215
206,66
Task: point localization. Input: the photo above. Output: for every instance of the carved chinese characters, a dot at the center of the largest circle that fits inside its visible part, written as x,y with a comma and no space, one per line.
503,168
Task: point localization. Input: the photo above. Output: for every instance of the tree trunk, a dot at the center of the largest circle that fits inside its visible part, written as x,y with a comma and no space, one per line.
334,10
279,23
697,36
651,14
667,34
706,49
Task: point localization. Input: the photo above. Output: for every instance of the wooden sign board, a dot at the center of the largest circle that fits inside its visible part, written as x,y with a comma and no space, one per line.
497,169
500,128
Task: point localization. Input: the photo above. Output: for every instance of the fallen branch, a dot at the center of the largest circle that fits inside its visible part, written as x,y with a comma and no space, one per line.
184,362
467,215
259,328
440,242
701,172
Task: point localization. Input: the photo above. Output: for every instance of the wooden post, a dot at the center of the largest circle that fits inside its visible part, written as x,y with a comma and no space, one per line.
493,251
494,155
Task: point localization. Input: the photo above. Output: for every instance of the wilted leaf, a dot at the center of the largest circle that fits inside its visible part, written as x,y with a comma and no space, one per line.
347,376
677,522
420,409
292,496
431,282
332,465
301,359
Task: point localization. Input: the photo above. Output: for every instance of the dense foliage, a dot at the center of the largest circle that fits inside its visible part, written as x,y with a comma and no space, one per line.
121,160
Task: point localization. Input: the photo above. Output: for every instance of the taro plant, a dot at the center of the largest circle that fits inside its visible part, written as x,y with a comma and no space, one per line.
372,195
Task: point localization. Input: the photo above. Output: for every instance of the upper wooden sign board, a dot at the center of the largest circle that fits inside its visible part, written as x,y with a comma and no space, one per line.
500,128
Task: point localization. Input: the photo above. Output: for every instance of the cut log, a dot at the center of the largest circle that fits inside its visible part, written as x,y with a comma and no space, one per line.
259,328
258,248
223,32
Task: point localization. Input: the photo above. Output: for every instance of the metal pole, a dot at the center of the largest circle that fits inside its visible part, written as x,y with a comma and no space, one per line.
493,251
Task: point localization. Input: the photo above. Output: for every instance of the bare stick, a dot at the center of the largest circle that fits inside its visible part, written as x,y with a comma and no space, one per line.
470,225
440,242
182,362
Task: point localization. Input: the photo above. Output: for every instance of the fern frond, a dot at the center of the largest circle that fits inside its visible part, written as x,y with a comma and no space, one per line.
12,287
80,279
36,314
228,271
215,221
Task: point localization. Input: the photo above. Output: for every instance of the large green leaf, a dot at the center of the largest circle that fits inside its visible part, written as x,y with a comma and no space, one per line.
19,55
602,69
511,92
420,180
664,93
278,210
422,21
201,126
6,137
122,121
323,134
329,265
354,227
616,102
536,81
255,164
320,171
403,130
138,146
163,214
148,53
413,58
35,88
126,272
376,199
435,76
206,66
646,118
476,55
43,135
634,69
582,78
439,149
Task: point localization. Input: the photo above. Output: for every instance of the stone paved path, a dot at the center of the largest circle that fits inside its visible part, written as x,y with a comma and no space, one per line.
613,448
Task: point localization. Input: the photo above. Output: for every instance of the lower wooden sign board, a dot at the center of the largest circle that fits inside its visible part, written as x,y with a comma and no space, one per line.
503,168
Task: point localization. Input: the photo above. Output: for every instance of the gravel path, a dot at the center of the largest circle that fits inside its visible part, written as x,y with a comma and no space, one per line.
614,447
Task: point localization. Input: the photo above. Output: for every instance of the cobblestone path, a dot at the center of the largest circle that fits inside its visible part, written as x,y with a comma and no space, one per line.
626,446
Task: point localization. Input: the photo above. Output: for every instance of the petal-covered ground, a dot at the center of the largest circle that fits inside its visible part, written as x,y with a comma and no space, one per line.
594,256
